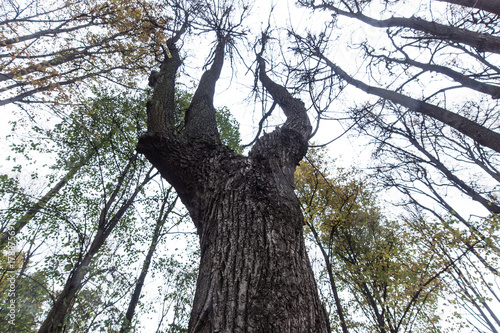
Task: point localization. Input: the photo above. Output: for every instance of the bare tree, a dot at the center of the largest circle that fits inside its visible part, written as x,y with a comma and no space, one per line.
431,110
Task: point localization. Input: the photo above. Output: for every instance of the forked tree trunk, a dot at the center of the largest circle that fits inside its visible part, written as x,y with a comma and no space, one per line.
254,273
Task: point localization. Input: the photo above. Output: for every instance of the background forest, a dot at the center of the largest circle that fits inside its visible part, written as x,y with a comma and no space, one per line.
399,189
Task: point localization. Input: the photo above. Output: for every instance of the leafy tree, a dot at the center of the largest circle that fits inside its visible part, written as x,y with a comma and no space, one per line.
107,201
81,136
64,224
49,47
166,209
178,296
16,284
430,109
254,268
386,283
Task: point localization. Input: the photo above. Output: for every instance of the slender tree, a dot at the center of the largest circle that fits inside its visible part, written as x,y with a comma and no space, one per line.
378,279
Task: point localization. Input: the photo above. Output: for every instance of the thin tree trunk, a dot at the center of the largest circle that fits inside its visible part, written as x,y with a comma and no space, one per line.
162,216
40,204
333,285
465,285
63,57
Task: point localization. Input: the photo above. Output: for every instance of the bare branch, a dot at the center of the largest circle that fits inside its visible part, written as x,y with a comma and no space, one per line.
492,6
475,131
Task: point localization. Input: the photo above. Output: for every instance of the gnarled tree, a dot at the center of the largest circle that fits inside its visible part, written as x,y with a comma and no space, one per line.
254,273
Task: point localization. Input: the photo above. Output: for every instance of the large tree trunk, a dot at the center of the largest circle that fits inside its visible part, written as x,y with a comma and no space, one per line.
254,273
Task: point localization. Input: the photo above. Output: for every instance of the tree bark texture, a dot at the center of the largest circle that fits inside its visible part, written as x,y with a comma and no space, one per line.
254,274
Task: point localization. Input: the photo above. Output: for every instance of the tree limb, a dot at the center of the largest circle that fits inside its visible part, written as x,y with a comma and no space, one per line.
475,131
480,41
492,6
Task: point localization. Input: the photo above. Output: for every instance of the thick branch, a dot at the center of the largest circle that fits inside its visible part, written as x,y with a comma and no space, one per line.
61,59
200,116
481,41
293,108
473,130
161,107
22,96
492,6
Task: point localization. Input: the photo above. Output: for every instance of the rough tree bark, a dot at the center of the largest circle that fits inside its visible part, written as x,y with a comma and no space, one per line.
254,274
